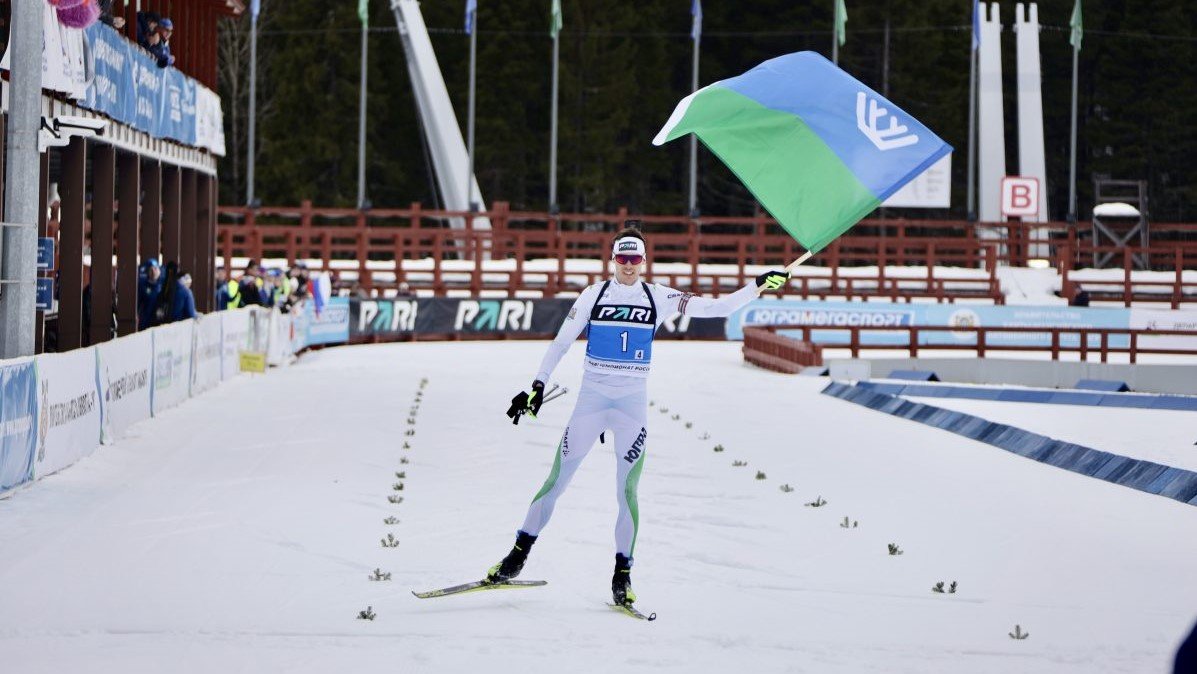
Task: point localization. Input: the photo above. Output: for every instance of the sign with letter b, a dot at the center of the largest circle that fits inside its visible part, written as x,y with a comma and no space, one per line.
1020,196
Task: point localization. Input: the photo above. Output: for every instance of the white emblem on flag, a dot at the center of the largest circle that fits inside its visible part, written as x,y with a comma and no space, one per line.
868,114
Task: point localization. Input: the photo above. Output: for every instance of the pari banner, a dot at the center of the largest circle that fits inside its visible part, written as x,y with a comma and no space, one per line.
831,315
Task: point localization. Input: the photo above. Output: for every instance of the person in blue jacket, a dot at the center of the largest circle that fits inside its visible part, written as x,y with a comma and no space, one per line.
182,305
149,285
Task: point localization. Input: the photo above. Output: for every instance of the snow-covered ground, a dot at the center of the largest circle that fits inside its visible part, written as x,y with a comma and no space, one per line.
236,534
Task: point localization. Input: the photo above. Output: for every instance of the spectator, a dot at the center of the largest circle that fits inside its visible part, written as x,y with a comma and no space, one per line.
404,292
228,296
248,287
108,17
149,286
160,48
147,29
357,292
1080,298
183,303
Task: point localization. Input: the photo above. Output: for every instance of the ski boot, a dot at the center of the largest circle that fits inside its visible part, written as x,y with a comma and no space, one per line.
621,582
513,563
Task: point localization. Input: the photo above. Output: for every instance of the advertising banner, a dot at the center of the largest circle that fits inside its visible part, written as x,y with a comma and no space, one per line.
331,326
206,370
234,339
18,423
1164,319
440,316
831,315
172,364
282,337
124,366
68,421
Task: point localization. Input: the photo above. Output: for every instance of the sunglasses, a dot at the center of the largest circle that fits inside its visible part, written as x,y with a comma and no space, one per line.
629,259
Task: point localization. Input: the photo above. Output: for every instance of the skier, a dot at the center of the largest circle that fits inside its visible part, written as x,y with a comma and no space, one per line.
622,315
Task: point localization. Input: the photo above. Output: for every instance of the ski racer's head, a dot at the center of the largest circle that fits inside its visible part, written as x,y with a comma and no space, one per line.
629,252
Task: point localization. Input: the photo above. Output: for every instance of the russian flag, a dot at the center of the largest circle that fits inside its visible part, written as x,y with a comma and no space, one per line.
320,287
816,147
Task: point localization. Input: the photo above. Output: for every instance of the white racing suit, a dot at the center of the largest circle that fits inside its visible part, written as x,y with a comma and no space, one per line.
622,321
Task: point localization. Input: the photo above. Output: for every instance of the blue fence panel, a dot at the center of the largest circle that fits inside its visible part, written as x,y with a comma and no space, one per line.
18,423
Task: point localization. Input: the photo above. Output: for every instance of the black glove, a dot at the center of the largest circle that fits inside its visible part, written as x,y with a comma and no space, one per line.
526,403
772,280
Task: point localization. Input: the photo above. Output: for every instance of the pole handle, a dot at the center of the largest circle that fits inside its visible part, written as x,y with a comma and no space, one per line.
792,266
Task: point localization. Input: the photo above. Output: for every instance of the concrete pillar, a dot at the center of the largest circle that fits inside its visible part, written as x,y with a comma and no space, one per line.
103,221
991,131
128,166
70,242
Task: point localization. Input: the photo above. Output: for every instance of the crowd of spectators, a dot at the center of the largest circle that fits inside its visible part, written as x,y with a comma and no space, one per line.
258,285
153,34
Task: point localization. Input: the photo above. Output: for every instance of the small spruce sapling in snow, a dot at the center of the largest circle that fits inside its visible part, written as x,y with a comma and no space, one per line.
398,486
718,448
845,524
676,417
938,587
952,588
390,541
739,464
704,436
652,403
817,503
395,499
664,410
391,520
760,475
894,549
787,488
402,475
1018,633
689,424
380,575
410,431
406,445
403,460
411,421
368,614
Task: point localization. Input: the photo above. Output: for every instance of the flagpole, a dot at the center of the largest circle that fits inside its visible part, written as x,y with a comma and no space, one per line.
693,138
470,118
553,128
835,32
361,126
253,107
1072,152
972,134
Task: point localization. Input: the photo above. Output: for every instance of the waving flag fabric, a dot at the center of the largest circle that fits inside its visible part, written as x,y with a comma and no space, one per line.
817,148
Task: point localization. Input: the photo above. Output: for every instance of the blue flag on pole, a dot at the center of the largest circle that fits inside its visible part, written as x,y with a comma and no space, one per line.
471,10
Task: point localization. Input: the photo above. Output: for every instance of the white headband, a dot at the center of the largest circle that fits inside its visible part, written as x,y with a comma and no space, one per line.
628,245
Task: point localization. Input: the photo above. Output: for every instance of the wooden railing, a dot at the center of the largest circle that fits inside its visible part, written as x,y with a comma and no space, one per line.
982,345
765,348
416,233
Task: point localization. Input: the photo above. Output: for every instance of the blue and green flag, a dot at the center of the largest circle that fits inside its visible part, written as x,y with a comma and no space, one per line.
816,147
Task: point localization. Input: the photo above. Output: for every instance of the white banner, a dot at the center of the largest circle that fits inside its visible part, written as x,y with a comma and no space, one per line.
124,367
234,339
68,426
282,338
209,120
206,370
64,56
1164,319
172,364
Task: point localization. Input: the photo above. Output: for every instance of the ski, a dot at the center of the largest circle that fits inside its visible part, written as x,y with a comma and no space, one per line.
478,586
629,610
